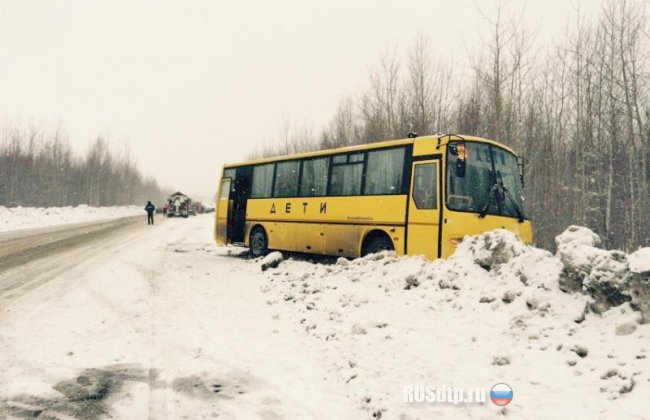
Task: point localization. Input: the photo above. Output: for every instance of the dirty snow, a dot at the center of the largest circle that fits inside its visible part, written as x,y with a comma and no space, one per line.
178,327
494,312
17,218
158,323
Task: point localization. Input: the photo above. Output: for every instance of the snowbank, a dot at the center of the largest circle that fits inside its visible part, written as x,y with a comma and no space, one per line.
640,261
17,218
272,260
566,326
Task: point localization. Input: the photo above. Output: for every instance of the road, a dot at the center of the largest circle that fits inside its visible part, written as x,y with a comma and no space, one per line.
151,323
34,245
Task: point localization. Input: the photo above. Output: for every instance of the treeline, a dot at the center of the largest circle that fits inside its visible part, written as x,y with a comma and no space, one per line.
40,169
577,110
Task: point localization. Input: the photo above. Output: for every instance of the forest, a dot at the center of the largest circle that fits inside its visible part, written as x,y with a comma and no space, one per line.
577,109
38,168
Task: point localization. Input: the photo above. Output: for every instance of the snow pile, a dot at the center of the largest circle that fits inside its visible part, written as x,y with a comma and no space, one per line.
600,273
565,326
272,260
16,218
638,280
491,249
640,261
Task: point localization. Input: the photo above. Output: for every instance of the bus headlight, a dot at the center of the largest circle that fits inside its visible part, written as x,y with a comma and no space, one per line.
455,241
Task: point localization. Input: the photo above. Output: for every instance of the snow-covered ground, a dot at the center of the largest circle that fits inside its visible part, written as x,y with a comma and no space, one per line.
382,322
158,324
18,218
164,324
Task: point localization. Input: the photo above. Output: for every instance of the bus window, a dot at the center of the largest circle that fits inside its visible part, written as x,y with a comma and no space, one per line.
230,173
489,169
262,181
424,186
384,172
346,177
286,179
314,177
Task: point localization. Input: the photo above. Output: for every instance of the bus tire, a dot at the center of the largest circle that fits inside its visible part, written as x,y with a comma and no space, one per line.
376,241
259,242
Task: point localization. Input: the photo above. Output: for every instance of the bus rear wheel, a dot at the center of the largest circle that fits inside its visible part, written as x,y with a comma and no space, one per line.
259,243
376,243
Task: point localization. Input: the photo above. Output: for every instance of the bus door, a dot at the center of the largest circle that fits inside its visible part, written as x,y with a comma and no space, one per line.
242,193
424,209
223,211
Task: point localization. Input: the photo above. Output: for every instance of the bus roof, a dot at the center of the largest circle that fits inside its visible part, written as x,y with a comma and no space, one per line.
368,146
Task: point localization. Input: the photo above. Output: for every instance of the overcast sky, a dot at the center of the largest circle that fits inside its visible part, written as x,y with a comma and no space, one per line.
190,85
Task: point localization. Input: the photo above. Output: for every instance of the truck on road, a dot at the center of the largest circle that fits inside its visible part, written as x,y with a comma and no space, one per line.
177,205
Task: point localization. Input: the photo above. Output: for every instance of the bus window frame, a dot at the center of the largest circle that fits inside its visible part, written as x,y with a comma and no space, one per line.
406,172
300,173
436,193
446,174
347,163
275,174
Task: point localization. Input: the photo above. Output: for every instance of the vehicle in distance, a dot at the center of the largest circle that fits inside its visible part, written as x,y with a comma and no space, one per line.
178,205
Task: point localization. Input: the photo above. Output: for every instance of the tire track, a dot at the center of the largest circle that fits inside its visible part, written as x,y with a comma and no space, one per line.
18,250
29,262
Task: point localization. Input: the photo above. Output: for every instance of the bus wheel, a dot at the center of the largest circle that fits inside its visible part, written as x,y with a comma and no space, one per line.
259,243
376,242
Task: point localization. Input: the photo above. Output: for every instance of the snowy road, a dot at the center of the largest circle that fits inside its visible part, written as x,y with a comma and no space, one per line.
22,246
154,323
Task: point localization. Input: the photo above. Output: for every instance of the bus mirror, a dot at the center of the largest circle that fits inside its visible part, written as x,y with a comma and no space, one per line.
520,164
460,168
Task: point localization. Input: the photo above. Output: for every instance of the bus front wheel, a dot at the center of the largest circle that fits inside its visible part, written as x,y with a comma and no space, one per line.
376,242
259,243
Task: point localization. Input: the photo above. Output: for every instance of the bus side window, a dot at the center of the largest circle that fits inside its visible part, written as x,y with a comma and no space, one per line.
425,186
230,173
286,179
314,177
346,177
384,171
262,181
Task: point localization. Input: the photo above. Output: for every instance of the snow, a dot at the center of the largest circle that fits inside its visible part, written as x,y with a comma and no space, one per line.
272,260
639,261
577,235
166,323
383,322
18,218
176,319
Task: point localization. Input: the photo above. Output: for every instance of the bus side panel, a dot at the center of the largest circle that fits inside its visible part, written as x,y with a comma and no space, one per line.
346,240
299,237
327,225
342,240
280,236
289,236
360,210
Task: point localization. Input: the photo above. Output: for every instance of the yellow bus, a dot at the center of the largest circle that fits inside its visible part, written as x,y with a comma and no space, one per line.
416,196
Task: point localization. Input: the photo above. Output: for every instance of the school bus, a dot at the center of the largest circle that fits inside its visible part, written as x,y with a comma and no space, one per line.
416,196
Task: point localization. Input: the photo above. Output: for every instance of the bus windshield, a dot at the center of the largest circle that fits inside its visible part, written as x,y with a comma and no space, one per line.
489,183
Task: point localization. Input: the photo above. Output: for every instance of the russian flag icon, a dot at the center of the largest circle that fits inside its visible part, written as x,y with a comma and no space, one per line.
501,394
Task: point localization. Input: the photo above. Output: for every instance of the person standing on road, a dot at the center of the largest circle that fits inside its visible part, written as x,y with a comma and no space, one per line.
150,208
